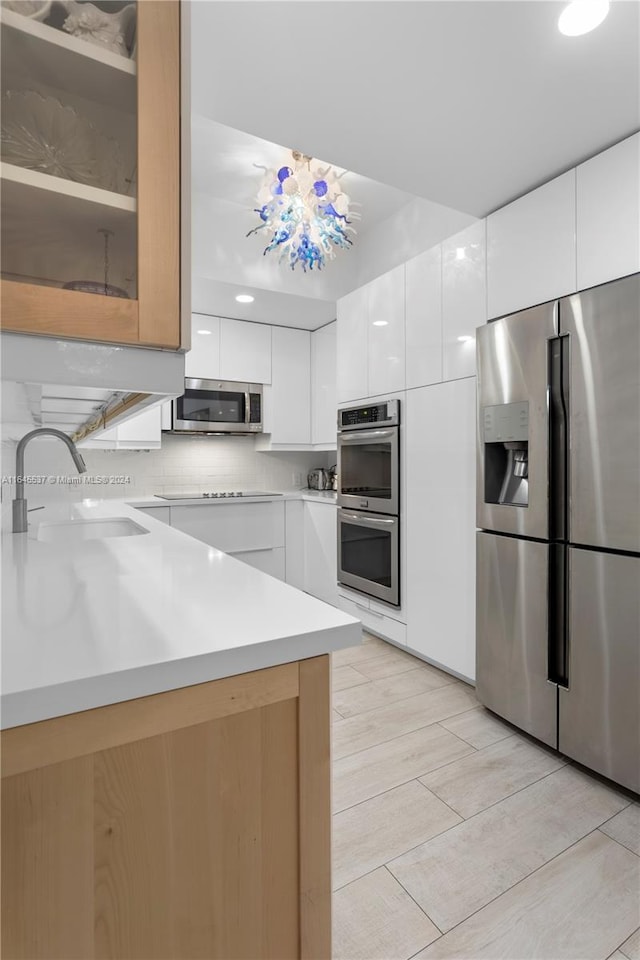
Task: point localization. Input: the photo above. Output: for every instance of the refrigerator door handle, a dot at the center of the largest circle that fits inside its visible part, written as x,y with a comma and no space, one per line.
558,617
558,394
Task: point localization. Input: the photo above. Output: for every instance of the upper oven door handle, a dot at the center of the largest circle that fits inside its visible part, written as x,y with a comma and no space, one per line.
366,436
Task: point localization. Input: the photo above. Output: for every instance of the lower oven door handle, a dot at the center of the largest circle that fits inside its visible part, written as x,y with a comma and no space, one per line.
365,436
358,519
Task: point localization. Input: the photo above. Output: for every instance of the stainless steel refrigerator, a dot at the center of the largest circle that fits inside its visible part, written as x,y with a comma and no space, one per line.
558,504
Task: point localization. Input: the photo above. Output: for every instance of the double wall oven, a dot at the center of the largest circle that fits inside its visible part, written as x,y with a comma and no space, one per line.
369,500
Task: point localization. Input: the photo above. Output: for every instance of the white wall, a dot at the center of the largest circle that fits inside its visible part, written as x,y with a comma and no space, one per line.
186,464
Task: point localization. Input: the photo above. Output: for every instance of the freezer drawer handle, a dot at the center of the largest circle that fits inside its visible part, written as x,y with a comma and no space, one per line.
557,670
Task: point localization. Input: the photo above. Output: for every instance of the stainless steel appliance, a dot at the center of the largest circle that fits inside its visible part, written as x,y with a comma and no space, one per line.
318,479
368,474
368,554
368,457
558,501
217,406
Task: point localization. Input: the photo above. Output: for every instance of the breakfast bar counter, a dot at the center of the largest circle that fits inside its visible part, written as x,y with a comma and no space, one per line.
165,747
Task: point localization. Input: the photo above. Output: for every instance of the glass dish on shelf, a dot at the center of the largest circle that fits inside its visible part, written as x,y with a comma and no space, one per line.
96,286
41,134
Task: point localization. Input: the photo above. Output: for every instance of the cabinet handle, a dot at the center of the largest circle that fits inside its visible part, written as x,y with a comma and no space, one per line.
374,613
252,550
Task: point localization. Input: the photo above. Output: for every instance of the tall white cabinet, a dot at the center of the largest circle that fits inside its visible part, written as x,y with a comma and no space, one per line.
352,366
440,429
324,401
531,248
371,338
423,306
287,402
608,214
386,335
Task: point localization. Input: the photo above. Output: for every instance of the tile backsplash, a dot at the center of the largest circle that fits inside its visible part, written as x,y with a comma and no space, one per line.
183,464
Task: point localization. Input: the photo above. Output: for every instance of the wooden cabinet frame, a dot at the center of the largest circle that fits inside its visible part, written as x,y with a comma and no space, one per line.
192,823
154,318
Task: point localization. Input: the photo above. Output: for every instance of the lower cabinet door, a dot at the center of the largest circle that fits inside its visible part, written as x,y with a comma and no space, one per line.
511,631
270,561
321,551
600,709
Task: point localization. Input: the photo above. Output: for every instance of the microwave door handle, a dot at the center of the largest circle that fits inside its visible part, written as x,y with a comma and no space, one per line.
247,407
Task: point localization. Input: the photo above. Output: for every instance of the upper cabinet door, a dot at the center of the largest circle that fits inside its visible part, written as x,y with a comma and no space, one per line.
245,351
91,245
203,360
423,306
608,214
464,299
352,345
531,248
288,400
386,333
324,399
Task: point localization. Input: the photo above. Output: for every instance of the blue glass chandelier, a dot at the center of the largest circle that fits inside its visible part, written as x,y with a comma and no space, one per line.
305,213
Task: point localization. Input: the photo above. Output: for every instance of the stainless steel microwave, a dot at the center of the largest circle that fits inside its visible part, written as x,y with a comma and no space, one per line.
217,406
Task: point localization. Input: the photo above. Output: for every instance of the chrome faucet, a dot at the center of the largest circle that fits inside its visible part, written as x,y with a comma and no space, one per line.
20,504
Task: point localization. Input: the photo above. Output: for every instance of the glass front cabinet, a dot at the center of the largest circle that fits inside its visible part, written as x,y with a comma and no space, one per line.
90,168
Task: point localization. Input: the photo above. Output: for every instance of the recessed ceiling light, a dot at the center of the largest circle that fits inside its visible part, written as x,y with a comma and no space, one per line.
380,323
465,339
581,16
204,333
245,298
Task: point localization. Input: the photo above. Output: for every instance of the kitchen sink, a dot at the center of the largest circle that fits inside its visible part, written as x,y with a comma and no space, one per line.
72,531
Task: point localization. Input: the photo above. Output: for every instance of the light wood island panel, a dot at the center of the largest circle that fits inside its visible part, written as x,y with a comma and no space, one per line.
193,823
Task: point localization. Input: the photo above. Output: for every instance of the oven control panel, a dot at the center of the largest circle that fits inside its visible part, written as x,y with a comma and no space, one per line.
385,414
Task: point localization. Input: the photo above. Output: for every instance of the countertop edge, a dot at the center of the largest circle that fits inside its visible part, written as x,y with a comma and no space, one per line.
43,703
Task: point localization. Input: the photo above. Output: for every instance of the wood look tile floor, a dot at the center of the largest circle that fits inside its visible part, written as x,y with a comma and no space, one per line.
455,836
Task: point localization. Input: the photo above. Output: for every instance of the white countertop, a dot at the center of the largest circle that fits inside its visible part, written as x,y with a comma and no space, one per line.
317,496
102,621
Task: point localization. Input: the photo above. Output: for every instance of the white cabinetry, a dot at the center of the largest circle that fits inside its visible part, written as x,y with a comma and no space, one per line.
464,299
202,362
440,427
423,309
324,401
226,349
252,532
372,617
352,345
371,339
287,402
531,248
140,432
608,214
294,542
320,551
245,351
386,333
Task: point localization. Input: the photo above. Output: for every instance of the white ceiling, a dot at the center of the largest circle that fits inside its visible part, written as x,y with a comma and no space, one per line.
447,110
468,103
394,225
